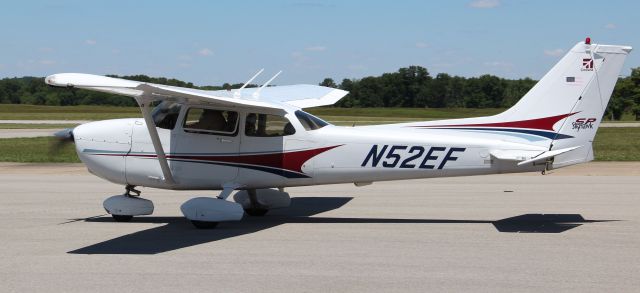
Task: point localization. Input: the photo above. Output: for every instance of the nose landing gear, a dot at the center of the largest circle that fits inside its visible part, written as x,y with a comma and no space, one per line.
129,189
125,206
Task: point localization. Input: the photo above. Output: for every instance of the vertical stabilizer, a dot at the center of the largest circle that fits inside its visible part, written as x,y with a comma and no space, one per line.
572,97
600,66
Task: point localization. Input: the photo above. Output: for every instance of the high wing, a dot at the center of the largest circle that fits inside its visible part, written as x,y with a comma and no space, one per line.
301,96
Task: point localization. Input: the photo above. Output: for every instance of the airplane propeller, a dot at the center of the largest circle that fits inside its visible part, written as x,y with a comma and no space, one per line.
63,137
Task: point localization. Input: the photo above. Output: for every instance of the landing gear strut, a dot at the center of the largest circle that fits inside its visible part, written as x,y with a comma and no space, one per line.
257,202
129,189
256,209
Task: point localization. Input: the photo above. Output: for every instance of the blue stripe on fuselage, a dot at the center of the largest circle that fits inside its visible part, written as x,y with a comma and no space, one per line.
545,134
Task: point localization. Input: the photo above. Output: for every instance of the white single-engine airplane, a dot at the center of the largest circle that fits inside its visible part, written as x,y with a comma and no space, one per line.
257,141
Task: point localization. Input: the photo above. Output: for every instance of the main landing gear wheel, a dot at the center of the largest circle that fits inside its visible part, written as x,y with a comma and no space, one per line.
256,212
207,212
258,202
204,224
122,218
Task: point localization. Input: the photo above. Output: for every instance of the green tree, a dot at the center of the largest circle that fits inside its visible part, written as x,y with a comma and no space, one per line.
439,91
328,82
407,87
625,96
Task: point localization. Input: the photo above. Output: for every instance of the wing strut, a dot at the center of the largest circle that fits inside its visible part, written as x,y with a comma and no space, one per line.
155,139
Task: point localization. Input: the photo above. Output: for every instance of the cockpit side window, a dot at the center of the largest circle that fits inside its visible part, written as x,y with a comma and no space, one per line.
310,122
211,121
165,115
267,125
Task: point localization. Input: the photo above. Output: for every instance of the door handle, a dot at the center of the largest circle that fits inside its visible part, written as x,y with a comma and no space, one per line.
226,140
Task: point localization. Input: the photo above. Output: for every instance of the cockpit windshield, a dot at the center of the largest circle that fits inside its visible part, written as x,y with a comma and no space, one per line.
310,122
165,115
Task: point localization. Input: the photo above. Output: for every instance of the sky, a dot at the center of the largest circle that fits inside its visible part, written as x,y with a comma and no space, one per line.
213,42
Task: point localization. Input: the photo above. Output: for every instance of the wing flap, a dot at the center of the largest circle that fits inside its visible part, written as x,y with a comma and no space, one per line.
300,95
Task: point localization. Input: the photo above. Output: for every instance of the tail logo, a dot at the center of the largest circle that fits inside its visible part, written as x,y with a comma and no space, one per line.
583,123
587,64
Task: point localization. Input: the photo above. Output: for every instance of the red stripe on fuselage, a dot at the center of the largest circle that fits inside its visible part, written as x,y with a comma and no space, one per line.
291,161
539,123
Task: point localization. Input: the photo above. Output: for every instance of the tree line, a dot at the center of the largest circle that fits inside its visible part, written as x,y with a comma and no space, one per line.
410,87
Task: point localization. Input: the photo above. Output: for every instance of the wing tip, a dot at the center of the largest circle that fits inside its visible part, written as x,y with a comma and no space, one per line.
87,80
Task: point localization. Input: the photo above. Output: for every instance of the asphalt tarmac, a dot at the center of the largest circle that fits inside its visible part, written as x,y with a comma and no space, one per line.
577,229
20,133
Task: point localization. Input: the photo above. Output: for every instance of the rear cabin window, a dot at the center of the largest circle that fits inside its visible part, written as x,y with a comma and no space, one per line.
211,121
267,125
310,122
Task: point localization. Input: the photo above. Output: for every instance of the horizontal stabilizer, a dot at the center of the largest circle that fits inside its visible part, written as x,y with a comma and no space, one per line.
515,155
547,155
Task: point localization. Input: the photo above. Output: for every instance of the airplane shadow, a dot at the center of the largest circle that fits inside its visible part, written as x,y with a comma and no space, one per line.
177,232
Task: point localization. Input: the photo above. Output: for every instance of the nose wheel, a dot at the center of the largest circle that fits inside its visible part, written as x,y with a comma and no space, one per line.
125,206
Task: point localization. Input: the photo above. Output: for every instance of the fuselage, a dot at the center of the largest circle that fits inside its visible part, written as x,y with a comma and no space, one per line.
121,151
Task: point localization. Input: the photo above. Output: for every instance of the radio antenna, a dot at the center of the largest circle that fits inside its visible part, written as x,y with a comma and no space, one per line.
237,93
256,94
